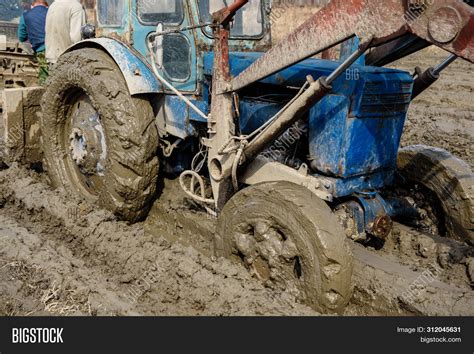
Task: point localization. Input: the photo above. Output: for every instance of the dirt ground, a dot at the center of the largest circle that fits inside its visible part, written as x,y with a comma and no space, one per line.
443,116
61,256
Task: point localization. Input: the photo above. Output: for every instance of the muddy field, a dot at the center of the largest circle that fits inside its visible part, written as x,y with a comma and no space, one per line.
443,116
61,256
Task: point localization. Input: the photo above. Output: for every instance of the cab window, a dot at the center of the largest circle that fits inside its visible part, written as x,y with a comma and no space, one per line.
111,12
177,57
160,11
247,22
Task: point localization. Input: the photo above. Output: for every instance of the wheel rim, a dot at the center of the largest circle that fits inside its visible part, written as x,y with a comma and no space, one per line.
270,254
84,146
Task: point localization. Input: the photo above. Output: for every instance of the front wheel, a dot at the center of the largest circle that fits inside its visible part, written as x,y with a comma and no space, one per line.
290,240
98,140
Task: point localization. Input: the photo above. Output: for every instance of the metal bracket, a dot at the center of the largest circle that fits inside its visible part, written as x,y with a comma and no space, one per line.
261,170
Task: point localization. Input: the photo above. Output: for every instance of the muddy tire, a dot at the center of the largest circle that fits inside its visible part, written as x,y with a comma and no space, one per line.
291,241
98,140
450,178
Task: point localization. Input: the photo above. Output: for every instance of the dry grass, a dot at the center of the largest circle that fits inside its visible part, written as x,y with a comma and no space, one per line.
18,270
49,297
63,301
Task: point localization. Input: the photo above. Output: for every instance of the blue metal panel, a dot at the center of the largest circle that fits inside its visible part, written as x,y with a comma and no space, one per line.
138,75
358,131
355,130
343,187
296,74
327,133
178,116
254,114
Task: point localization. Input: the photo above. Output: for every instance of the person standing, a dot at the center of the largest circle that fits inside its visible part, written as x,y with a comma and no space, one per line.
32,28
63,27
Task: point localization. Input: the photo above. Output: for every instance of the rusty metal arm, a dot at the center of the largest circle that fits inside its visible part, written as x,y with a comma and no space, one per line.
221,127
448,24
226,14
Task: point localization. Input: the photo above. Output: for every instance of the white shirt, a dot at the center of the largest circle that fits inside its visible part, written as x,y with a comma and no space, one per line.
63,27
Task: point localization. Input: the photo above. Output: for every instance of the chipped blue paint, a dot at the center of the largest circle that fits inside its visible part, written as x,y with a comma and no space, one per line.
353,131
357,129
296,75
138,75
178,116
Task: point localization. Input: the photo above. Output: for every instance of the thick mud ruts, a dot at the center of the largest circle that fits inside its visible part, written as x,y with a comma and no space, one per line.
60,255
58,247
108,155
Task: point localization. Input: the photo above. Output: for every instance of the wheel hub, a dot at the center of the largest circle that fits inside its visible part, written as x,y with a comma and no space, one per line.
87,146
78,146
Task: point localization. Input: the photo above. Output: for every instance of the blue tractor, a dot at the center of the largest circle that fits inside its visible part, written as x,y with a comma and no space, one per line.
295,154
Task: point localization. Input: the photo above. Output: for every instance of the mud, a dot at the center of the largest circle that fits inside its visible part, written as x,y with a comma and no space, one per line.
65,257
61,256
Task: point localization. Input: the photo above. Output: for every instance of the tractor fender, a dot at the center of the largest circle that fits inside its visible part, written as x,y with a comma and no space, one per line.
136,72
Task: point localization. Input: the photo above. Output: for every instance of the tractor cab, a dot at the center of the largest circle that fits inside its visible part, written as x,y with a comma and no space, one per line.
178,53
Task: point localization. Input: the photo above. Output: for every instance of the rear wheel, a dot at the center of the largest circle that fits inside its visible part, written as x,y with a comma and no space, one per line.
290,240
98,140
450,179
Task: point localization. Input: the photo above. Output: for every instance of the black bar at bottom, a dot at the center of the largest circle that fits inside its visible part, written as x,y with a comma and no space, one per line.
246,335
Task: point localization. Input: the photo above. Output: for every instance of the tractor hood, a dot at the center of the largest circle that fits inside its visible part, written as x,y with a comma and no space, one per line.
295,75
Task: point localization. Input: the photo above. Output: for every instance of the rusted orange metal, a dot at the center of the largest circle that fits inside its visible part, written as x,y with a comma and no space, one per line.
221,125
225,15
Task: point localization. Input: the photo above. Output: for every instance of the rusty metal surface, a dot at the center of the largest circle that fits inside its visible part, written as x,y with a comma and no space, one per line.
448,24
221,125
225,15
